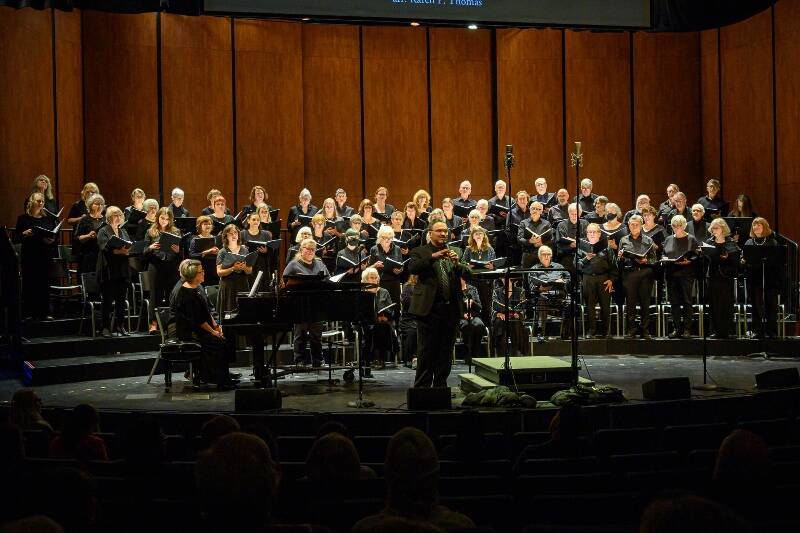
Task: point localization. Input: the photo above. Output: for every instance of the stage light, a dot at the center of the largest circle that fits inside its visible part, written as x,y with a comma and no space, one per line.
472,27
415,24
305,19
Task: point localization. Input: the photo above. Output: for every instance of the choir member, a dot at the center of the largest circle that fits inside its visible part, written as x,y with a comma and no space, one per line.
501,199
378,335
681,272
211,196
422,199
471,325
41,184
598,268
397,222
84,243
305,208
486,222
587,197
195,323
408,323
638,255
328,252
366,210
713,202
511,317
221,215
474,221
452,220
548,285
233,278
519,212
113,272
253,232
763,286
463,200
37,252
558,212
334,224
162,262
598,215
412,220
205,250
652,228
641,202
668,204
264,215
479,249
533,232
387,257
681,208
568,233
258,196
80,208
613,226
305,263
380,205
542,196
697,225
137,203
743,207
342,209
177,207
302,234
357,223
150,207
350,259
722,268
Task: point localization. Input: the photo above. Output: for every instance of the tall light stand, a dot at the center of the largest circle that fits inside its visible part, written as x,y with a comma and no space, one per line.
576,161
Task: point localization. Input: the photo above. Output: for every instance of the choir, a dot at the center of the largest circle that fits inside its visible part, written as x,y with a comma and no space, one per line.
673,253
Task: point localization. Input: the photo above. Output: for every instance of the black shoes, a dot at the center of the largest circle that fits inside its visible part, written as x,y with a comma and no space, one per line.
675,334
123,332
106,333
234,375
646,335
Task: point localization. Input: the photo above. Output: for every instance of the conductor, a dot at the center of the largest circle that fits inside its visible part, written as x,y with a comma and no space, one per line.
437,302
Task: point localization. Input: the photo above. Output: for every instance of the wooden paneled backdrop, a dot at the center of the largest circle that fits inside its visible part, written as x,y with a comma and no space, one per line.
157,101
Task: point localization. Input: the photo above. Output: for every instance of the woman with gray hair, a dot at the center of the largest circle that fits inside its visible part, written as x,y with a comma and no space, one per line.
303,208
723,265
681,272
84,243
113,272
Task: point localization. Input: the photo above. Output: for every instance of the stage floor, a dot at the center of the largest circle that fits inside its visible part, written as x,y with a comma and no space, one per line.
302,392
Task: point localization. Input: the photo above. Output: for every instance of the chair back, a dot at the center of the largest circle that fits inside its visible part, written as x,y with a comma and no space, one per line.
90,288
162,318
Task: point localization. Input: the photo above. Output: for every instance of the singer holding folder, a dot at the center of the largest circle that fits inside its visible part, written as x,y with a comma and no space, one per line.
113,272
233,272
37,250
162,243
638,255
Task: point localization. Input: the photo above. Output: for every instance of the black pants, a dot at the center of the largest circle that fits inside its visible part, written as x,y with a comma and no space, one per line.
36,288
310,332
594,292
680,302
517,336
113,294
408,335
638,285
377,343
472,332
720,299
437,337
764,304
163,277
214,359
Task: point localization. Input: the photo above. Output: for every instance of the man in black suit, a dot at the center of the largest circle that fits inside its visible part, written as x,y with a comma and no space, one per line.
437,302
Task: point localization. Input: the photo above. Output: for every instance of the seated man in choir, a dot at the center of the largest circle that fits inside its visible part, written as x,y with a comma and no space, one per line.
587,197
542,195
558,212
306,263
195,323
342,209
642,201
681,273
471,326
486,222
464,192
697,225
568,233
547,285
177,207
533,232
378,336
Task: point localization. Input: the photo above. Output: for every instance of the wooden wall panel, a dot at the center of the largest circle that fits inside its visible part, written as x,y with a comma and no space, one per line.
461,111
709,94
598,111
747,119
667,122
121,133
530,105
331,111
26,107
197,107
787,66
69,101
269,110
395,111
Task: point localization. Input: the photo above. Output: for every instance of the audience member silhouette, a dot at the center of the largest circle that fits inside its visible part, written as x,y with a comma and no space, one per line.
26,411
565,438
67,495
689,514
216,428
742,477
78,440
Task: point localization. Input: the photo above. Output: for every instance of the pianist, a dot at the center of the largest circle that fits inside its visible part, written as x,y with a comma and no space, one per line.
306,263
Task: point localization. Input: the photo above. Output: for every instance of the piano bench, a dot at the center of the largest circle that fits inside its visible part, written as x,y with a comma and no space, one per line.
174,351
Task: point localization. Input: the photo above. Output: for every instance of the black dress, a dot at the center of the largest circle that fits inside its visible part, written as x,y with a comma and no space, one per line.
162,270
389,280
763,285
721,278
35,263
86,251
230,285
113,275
209,261
263,261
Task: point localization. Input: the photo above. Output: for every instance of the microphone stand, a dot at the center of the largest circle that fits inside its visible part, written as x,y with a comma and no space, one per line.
509,164
706,386
576,161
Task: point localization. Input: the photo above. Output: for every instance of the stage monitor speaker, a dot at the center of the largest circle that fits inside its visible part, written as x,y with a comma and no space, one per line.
257,400
428,398
667,389
778,378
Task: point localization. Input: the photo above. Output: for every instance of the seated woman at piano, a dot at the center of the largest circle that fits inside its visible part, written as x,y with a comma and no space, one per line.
162,262
194,323
306,263
233,272
254,233
203,247
302,234
37,250
387,258
378,336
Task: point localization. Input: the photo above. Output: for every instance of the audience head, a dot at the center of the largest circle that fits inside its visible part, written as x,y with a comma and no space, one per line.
26,409
333,426
689,514
81,422
216,428
412,473
32,524
68,497
743,458
333,460
238,472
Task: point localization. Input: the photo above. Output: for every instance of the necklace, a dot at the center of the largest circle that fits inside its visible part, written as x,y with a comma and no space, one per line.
763,240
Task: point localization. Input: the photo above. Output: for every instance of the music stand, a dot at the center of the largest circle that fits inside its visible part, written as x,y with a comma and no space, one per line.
773,257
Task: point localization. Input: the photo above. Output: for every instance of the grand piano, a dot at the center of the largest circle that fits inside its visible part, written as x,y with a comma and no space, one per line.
303,299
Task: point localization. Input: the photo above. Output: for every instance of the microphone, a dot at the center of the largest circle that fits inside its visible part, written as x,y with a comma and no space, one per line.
509,156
